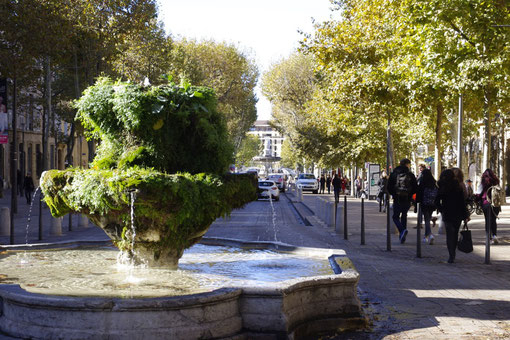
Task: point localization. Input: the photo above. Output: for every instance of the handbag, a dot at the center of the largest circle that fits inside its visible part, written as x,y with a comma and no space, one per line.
465,243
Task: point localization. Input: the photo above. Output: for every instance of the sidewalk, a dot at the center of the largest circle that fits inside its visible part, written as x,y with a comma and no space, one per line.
422,298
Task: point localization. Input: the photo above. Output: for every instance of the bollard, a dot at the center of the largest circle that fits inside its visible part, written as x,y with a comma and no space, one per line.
330,222
346,235
488,239
300,195
418,231
339,221
84,221
362,221
322,209
388,224
5,221
325,212
56,226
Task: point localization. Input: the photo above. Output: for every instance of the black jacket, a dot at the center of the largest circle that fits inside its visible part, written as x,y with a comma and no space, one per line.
451,204
337,183
393,180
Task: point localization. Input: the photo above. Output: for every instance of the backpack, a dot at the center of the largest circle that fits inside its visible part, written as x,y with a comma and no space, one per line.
403,186
429,196
494,196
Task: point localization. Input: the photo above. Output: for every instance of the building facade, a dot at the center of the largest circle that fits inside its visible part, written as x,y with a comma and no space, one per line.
272,140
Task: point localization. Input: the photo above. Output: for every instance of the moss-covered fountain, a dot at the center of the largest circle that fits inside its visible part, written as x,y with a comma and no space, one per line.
165,150
161,167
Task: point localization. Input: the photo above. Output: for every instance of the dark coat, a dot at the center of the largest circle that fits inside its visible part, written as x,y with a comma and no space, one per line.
28,184
337,183
393,180
421,189
451,204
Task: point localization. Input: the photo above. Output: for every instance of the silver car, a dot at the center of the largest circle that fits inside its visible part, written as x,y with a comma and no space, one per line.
268,189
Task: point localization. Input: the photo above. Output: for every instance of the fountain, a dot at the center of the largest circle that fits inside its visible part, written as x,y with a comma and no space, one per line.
155,187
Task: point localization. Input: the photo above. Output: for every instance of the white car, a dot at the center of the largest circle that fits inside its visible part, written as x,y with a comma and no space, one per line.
280,180
268,189
307,182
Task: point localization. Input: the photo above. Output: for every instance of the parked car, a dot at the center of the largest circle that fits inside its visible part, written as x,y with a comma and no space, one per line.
268,189
280,180
307,182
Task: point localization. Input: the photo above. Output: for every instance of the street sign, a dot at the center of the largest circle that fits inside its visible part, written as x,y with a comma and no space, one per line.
374,173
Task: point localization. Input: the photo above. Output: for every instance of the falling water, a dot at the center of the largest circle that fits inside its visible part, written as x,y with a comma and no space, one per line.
127,259
133,228
24,259
273,216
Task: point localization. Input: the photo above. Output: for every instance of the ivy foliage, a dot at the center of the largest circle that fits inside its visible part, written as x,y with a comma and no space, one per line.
177,207
170,128
168,146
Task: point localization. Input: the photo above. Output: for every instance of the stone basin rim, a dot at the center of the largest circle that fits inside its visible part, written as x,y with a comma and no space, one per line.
210,241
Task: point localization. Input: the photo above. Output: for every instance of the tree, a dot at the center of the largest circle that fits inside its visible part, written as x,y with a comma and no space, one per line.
251,146
227,70
146,54
289,86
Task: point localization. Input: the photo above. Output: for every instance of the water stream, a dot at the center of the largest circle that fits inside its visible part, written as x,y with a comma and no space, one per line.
273,217
30,214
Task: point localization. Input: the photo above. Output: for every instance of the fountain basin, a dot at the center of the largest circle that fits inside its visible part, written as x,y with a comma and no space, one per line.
292,308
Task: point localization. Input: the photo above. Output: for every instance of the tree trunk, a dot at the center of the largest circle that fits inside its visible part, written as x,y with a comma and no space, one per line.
14,163
46,112
487,143
438,152
70,142
502,160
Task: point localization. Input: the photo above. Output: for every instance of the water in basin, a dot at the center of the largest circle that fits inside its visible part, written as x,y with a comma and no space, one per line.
94,271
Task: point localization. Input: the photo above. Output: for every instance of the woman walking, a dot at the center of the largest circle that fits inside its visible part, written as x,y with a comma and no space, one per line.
426,196
451,203
490,213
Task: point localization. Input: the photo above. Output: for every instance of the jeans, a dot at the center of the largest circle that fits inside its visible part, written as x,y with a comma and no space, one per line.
490,219
452,236
427,215
337,194
400,215
28,196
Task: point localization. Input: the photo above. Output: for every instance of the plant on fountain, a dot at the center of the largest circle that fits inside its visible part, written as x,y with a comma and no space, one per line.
170,145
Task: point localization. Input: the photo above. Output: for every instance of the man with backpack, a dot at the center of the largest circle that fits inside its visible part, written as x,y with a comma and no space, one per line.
402,185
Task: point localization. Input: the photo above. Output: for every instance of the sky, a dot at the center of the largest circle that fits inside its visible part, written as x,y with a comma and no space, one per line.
267,30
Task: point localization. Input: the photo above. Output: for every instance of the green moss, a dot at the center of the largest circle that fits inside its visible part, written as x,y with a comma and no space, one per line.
178,206
146,133
169,128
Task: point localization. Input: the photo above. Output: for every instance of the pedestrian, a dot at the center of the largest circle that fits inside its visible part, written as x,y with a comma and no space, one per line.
426,196
383,193
328,183
451,203
402,185
469,188
421,167
357,183
337,186
490,212
28,184
344,184
322,184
